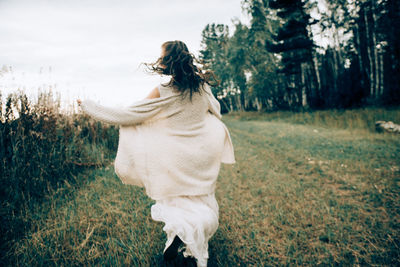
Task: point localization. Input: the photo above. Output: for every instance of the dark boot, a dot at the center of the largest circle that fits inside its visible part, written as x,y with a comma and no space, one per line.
190,262
172,251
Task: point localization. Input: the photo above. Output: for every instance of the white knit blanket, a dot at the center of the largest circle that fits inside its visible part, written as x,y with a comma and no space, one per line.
169,145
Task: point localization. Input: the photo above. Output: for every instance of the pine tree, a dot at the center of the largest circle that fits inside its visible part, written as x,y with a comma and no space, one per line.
293,42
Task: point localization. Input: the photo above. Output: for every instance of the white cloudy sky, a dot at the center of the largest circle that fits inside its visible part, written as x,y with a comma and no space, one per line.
93,48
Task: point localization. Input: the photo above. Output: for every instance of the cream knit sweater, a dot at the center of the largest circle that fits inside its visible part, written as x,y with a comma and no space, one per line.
170,145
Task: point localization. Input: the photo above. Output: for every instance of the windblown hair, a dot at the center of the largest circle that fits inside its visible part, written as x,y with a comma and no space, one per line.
178,62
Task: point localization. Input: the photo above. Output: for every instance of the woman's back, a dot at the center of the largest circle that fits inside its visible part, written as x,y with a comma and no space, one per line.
190,113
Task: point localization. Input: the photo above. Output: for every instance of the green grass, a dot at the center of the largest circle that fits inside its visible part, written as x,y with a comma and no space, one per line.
300,194
361,119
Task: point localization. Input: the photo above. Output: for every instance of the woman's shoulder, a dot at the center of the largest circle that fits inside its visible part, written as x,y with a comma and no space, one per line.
155,93
206,87
167,90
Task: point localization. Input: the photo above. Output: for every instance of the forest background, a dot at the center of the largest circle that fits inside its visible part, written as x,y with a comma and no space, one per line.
298,55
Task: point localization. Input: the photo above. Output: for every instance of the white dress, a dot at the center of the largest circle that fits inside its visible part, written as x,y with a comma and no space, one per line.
193,218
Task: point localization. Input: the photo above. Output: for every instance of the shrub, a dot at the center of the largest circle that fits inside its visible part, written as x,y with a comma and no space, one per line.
41,148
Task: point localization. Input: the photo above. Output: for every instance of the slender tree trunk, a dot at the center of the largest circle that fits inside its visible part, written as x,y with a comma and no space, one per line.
382,74
242,99
335,71
374,44
337,46
246,101
258,104
371,64
303,98
338,59
238,102
358,49
230,103
317,95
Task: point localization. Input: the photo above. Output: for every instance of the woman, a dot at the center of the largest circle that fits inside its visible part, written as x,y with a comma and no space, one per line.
172,143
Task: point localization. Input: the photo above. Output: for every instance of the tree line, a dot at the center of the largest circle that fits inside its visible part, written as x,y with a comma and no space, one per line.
307,54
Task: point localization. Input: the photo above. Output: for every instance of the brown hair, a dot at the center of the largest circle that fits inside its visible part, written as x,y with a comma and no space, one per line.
177,61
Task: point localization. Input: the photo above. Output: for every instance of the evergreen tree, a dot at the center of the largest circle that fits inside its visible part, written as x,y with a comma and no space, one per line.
294,44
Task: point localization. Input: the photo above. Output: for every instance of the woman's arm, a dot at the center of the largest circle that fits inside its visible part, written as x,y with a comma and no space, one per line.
110,115
213,104
130,115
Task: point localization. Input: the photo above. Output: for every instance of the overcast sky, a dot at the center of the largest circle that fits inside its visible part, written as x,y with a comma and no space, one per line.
93,48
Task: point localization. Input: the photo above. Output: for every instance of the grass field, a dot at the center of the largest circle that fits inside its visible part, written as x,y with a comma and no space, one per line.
299,194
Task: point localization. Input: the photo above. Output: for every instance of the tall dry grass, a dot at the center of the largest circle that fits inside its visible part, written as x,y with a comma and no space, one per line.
42,148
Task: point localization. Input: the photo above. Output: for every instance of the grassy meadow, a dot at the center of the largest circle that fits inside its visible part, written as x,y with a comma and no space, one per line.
307,189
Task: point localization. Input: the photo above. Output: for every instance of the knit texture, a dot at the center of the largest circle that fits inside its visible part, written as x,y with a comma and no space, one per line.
172,146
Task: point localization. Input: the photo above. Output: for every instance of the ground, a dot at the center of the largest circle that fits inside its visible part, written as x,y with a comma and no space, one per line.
298,195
